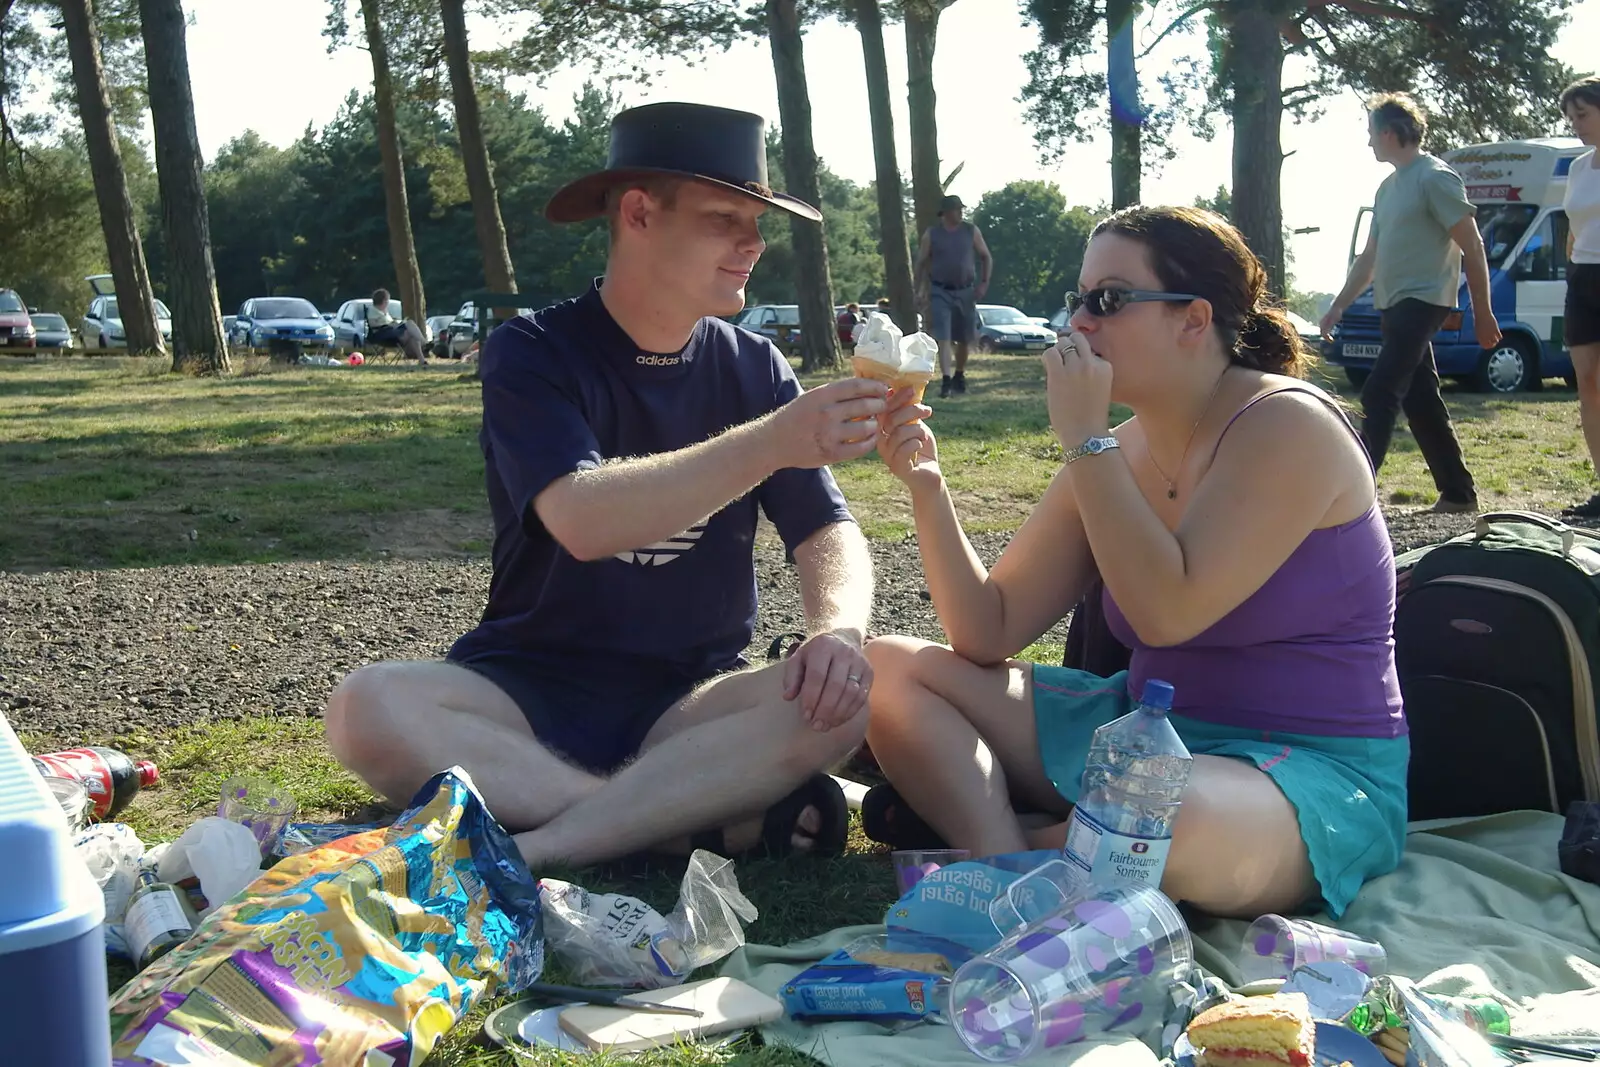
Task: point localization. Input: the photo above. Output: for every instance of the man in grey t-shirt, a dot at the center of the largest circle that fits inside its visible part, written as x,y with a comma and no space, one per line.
952,274
1424,231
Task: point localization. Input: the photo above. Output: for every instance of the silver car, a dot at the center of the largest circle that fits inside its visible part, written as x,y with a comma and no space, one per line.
102,323
350,321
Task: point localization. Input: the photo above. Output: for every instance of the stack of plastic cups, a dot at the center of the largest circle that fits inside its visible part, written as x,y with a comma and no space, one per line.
1103,963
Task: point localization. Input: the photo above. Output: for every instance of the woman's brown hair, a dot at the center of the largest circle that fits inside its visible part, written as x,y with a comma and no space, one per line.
1197,251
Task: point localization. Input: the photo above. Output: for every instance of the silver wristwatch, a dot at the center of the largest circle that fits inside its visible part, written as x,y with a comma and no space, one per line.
1092,447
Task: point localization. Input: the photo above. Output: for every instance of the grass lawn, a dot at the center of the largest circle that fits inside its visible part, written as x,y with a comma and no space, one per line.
112,463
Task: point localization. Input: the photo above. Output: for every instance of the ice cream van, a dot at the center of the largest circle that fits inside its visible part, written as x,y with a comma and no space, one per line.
1517,187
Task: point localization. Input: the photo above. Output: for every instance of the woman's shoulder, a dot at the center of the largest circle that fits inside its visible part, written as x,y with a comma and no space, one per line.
1289,411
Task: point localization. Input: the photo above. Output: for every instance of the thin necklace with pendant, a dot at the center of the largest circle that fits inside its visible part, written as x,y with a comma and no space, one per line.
1172,488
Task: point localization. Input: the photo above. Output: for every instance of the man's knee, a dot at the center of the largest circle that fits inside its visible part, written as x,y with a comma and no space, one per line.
803,749
360,727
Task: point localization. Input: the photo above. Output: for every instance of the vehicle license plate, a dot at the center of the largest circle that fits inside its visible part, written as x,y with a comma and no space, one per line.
1369,351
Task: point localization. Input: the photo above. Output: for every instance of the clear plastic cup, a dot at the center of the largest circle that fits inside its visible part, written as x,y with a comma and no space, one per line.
262,806
1105,962
913,865
1275,947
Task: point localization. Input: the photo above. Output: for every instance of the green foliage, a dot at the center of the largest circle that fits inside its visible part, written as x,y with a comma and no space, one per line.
1482,67
1037,242
1221,202
48,208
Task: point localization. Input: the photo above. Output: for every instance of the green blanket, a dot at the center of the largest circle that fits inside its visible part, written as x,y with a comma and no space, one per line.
1476,906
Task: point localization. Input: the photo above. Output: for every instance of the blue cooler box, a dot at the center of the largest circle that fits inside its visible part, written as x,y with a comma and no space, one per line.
53,1001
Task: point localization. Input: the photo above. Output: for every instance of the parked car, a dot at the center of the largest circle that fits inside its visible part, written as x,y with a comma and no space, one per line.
1058,322
280,321
16,328
102,323
350,321
227,327
778,322
1005,329
439,328
464,328
51,330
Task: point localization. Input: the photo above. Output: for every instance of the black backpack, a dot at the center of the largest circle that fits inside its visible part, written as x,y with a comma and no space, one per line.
1497,642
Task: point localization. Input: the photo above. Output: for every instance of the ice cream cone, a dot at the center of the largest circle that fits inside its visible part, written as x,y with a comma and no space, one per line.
875,370
913,382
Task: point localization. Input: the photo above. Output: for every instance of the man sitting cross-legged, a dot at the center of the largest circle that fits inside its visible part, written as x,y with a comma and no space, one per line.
630,440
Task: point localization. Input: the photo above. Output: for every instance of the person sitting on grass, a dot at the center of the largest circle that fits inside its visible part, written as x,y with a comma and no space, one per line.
631,440
1234,522
384,329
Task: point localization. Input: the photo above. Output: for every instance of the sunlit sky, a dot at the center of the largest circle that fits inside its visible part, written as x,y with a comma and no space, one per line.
261,64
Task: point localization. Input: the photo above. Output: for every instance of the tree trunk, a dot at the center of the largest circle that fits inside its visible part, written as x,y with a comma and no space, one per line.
1255,58
1126,115
891,207
497,270
408,275
136,303
922,31
819,340
197,340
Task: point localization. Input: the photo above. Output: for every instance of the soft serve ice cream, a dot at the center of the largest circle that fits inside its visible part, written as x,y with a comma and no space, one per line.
886,355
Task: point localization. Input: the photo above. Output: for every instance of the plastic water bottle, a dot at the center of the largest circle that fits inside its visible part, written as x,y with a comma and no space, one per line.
1121,828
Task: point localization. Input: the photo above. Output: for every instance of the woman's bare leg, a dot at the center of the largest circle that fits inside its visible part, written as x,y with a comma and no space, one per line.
958,742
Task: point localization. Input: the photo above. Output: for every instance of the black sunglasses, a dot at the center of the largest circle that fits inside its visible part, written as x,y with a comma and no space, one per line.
1110,300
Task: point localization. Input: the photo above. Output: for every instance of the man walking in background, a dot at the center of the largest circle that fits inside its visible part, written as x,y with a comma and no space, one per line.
949,285
1424,230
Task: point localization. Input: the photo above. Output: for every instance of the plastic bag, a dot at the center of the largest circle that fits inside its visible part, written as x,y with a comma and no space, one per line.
612,940
111,851
361,952
224,855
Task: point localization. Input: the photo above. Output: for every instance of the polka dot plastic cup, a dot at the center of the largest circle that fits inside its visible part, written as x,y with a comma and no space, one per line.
912,866
1103,964
1275,947
266,808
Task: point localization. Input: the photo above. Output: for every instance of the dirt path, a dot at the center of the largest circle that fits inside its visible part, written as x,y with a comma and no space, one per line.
107,654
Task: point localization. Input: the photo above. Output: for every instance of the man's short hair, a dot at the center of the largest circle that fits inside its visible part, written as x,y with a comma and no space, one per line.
661,187
852,306
1584,89
1399,114
883,301
380,296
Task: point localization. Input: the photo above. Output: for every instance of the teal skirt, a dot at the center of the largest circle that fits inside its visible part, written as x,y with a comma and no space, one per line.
1349,792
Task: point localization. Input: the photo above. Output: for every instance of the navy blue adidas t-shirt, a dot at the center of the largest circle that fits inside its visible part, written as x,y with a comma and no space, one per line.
566,389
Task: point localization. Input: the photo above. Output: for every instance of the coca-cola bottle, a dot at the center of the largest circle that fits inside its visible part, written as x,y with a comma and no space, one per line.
111,777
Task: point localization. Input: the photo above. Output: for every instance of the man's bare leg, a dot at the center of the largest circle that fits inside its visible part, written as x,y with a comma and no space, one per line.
722,755
395,725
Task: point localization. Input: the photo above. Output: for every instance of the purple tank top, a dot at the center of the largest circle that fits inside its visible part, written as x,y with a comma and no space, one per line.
1310,652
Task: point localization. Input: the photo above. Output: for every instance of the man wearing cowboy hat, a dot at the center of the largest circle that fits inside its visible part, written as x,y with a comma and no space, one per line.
631,440
950,285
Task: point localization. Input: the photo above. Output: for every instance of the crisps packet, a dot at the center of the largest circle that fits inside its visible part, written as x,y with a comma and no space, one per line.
361,952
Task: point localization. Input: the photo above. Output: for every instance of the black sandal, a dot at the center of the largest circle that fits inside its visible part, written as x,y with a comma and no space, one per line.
778,826
887,819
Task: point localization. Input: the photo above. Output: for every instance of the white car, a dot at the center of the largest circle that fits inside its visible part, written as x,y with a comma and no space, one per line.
102,323
464,327
350,321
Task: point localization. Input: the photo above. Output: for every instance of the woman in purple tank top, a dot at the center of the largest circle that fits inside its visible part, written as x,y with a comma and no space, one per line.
1234,523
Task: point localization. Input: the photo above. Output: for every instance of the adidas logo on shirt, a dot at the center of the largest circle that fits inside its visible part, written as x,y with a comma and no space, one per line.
658,361
666,551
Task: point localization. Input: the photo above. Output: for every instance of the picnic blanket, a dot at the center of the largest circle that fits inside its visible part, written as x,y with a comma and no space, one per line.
1476,906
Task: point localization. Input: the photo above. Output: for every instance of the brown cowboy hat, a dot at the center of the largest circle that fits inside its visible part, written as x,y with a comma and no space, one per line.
709,144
